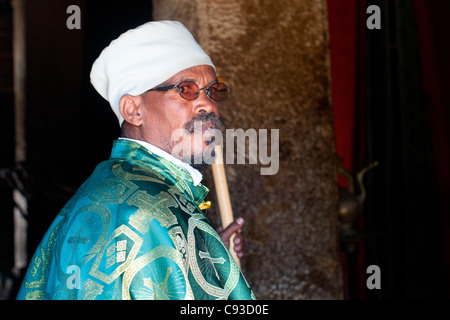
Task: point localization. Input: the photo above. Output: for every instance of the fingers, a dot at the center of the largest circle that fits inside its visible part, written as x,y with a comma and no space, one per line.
234,227
239,244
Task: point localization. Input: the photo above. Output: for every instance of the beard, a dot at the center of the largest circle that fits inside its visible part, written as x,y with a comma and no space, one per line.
190,127
203,117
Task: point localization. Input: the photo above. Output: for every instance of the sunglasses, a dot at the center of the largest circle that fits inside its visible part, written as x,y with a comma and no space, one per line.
190,91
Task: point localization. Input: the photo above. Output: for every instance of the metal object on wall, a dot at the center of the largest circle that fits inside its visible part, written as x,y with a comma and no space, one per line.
351,205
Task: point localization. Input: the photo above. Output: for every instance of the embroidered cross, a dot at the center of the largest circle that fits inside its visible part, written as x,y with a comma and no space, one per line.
206,255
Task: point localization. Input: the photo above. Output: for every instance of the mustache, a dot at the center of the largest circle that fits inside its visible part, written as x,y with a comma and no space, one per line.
204,117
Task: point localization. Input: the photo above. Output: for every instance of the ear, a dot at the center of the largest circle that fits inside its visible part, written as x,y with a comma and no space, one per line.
129,107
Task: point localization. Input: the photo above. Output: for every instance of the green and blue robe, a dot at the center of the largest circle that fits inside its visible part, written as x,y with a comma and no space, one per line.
134,230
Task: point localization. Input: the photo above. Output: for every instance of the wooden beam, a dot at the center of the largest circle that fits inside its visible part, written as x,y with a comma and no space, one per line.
19,61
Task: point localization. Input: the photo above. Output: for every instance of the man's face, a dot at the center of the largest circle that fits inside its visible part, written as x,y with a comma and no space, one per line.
173,123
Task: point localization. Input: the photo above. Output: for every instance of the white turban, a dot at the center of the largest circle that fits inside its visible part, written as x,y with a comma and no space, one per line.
142,58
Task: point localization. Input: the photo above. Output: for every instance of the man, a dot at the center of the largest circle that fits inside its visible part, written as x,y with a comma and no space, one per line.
134,229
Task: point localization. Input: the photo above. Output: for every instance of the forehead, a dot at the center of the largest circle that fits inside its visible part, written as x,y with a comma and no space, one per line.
198,74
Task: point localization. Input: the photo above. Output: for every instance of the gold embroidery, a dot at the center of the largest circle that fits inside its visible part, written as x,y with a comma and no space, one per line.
113,191
35,295
110,250
105,215
101,272
145,176
122,245
206,255
209,265
42,263
91,290
180,198
151,207
62,292
179,240
179,287
158,289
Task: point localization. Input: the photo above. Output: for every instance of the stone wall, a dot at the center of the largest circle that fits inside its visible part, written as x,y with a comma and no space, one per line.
274,54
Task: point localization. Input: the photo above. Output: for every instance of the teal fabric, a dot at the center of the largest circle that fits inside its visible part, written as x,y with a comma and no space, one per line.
134,230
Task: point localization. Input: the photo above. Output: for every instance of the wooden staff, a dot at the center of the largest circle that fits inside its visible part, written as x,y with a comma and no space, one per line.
223,197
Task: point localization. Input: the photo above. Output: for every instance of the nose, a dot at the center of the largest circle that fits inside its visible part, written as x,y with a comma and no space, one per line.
204,104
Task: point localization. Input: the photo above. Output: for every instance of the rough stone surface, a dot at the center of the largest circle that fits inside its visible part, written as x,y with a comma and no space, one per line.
275,57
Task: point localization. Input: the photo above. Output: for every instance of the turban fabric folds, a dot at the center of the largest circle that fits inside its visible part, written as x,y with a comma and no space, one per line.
143,58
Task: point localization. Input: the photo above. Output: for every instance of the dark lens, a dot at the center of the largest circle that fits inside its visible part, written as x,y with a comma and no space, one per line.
219,92
188,90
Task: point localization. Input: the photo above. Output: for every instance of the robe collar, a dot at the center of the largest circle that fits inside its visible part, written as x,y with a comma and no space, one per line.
195,174
138,154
